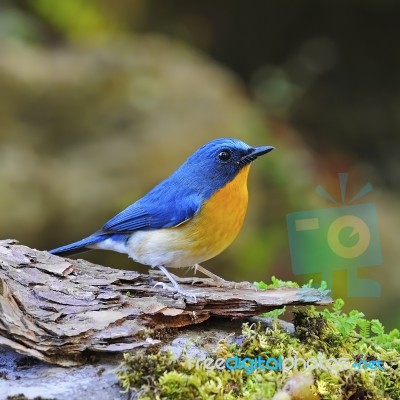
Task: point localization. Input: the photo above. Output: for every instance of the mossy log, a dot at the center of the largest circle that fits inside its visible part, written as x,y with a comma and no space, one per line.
58,309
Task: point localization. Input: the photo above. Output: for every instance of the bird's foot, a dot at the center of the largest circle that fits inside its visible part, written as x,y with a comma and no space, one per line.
176,288
186,293
220,282
163,285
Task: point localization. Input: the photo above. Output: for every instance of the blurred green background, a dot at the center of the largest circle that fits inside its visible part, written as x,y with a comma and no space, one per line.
100,100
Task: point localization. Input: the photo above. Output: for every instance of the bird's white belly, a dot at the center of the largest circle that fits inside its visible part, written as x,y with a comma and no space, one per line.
168,247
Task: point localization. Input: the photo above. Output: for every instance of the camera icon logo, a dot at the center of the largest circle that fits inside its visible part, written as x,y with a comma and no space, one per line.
358,227
337,238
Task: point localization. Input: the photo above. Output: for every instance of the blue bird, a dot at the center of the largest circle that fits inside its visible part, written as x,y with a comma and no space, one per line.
190,217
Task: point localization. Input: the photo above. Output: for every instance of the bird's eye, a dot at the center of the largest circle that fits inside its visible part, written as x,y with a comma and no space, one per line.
224,155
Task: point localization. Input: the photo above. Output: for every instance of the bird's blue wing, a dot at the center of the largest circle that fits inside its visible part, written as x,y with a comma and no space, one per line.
163,207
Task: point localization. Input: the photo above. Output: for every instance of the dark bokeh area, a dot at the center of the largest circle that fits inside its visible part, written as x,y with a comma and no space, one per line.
331,68
101,100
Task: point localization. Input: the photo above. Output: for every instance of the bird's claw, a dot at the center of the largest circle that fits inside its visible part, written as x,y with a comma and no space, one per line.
195,280
163,285
187,294
233,285
179,290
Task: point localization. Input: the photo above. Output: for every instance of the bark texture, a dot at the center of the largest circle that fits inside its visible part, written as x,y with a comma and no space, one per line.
58,309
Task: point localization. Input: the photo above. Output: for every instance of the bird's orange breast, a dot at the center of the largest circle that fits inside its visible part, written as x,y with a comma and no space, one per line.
220,219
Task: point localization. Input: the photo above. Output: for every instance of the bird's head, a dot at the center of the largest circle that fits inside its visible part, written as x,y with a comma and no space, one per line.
219,161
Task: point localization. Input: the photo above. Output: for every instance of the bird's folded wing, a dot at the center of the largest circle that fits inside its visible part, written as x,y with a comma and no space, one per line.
158,209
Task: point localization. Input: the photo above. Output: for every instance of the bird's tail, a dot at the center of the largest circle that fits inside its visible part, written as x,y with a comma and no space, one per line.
77,247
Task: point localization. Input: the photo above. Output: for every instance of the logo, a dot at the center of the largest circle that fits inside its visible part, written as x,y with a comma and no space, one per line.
284,364
342,237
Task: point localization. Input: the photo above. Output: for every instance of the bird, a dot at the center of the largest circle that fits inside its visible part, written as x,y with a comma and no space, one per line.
190,217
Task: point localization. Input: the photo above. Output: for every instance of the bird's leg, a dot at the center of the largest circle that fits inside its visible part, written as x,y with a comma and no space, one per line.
220,282
217,279
175,284
195,266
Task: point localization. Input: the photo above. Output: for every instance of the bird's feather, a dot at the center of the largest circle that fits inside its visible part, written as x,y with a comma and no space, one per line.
160,208
77,247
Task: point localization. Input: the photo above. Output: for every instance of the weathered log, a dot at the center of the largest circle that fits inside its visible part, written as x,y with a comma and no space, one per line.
57,309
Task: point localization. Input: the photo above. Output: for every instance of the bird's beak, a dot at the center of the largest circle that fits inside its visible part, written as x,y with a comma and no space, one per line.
259,151
254,153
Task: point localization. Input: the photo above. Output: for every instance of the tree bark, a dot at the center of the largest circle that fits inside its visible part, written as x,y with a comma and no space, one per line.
58,309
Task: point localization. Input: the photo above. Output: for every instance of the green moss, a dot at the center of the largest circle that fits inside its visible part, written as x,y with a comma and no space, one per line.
275,283
326,334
